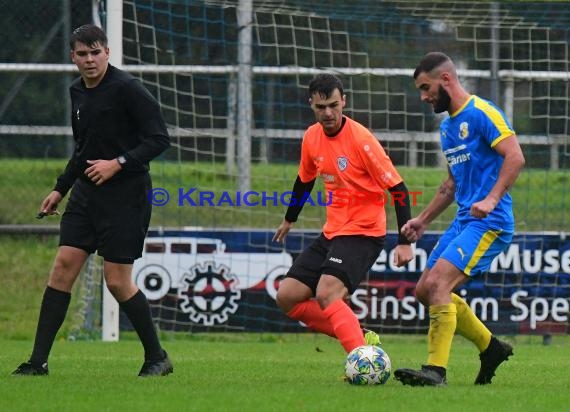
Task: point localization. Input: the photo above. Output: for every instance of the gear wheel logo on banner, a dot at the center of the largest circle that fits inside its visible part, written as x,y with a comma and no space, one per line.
209,293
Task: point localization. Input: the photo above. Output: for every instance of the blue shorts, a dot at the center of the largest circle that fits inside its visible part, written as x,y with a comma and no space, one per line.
470,247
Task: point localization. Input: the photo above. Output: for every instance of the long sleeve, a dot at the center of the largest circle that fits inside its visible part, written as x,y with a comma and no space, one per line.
402,206
300,188
145,111
66,180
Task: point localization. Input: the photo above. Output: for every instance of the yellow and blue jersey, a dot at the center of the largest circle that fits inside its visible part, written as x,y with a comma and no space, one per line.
468,137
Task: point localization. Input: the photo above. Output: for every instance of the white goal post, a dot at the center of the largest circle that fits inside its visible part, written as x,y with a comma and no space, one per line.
110,306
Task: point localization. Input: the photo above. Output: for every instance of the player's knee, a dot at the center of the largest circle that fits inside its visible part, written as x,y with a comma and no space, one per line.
428,289
285,300
330,289
113,287
324,299
291,292
63,275
119,288
421,295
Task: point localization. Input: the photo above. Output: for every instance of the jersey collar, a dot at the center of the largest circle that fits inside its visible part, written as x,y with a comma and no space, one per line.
455,113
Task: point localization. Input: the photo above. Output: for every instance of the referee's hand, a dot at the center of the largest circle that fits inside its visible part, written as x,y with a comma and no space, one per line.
102,170
49,204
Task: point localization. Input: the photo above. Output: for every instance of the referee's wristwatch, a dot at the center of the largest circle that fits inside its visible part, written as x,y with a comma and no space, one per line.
122,161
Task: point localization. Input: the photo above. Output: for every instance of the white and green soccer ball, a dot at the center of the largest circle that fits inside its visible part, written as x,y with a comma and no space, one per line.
367,365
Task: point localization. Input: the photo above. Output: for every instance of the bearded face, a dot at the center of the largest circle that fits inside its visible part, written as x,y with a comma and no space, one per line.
442,102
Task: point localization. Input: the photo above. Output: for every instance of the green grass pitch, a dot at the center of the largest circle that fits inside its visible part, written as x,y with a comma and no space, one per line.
300,372
243,372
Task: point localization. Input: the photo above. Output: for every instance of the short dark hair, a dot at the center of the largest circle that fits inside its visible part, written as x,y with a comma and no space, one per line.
430,61
325,84
88,34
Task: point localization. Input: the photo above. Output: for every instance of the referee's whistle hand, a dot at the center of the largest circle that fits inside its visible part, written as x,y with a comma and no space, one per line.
49,204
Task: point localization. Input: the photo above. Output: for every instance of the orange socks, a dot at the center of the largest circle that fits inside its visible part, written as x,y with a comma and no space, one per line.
345,325
310,313
337,321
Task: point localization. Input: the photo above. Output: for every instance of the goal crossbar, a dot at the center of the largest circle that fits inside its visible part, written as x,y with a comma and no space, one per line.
283,70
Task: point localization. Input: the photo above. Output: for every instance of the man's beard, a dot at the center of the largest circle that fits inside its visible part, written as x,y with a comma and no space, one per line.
443,101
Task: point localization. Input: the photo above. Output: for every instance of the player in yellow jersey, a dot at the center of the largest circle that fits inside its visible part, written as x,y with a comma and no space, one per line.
484,159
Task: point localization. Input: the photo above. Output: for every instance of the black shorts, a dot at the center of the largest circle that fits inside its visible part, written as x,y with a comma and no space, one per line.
348,258
111,219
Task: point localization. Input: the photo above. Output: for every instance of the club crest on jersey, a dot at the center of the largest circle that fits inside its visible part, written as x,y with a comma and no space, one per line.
463,130
342,163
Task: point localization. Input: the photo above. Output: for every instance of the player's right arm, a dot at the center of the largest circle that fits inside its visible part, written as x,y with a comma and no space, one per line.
67,178
49,204
282,231
64,182
445,196
302,186
300,191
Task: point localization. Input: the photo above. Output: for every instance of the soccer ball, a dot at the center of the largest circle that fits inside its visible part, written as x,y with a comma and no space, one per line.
367,365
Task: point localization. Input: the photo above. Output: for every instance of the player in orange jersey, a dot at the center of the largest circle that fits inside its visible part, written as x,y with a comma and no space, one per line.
351,162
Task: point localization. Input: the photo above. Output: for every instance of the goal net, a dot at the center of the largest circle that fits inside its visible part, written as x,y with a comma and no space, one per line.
231,77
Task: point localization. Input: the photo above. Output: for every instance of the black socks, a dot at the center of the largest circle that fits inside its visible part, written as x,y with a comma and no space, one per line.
137,310
52,314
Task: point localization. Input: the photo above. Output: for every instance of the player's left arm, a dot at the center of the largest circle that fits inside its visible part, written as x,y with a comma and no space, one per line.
145,112
402,205
509,148
381,167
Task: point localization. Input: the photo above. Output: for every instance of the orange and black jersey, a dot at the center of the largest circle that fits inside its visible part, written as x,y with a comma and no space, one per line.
355,169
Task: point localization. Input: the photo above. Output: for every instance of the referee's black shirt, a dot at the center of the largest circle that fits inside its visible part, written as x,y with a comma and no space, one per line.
118,117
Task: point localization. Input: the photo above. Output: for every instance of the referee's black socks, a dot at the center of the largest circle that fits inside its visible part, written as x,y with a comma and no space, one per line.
137,310
52,314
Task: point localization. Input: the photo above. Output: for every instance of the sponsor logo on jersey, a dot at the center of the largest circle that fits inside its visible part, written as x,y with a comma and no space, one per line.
327,178
453,159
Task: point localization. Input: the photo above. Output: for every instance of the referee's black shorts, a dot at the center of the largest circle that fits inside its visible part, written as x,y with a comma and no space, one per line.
349,258
111,219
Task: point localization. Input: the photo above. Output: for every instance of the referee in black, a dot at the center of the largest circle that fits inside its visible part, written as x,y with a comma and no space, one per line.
118,129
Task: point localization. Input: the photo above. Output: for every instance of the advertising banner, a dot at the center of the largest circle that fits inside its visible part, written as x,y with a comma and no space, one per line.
227,280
